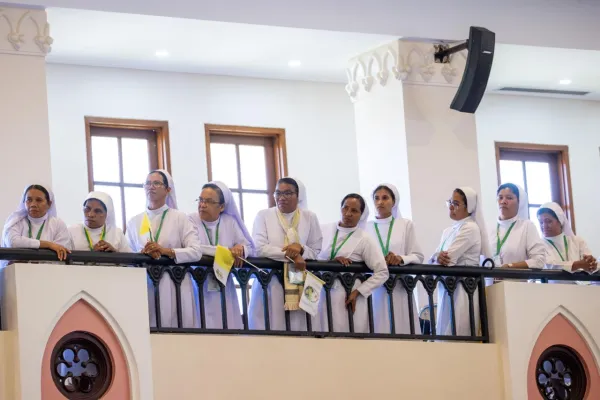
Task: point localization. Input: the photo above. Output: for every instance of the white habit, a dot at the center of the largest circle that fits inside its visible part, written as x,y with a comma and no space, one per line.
229,235
522,244
403,242
179,234
359,247
114,236
462,241
55,231
269,238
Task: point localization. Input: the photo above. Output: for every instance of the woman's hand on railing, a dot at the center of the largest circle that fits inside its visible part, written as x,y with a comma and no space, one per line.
351,300
344,261
443,258
61,251
154,250
299,263
392,259
237,251
292,250
587,264
104,246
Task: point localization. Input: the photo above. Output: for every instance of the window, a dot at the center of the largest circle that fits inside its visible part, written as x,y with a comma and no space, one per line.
542,170
120,155
249,161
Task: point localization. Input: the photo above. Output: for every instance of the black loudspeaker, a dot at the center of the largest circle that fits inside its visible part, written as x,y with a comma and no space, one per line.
480,45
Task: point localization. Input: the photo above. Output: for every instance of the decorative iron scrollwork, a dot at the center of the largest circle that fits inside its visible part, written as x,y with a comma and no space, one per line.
429,283
178,273
242,275
155,272
329,279
200,274
470,284
450,283
390,284
560,374
81,367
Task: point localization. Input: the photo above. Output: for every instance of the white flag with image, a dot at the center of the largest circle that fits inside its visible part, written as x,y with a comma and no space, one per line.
311,294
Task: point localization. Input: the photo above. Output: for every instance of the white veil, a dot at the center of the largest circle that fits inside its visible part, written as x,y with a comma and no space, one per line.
231,208
110,208
21,213
562,218
396,208
475,208
171,197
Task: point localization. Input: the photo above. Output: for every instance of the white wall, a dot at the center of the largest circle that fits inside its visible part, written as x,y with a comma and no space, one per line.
23,128
318,119
523,119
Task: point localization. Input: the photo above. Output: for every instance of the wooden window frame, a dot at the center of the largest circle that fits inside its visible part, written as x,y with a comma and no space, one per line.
163,161
278,154
565,191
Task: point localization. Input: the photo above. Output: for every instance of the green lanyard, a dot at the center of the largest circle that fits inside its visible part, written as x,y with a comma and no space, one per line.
39,234
89,239
558,251
216,236
162,219
499,243
386,249
334,251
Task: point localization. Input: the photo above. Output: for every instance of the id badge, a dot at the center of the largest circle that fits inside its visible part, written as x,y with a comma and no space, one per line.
497,261
213,285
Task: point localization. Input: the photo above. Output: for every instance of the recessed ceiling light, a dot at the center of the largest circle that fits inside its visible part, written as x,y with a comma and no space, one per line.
565,82
294,63
162,53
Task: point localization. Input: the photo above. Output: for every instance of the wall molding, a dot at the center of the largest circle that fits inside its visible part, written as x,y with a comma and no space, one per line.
28,31
408,62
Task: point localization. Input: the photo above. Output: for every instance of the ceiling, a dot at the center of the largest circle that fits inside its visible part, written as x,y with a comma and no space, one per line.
216,48
557,23
220,48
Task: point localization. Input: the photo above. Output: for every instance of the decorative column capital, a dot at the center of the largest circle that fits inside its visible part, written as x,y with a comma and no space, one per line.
24,31
408,62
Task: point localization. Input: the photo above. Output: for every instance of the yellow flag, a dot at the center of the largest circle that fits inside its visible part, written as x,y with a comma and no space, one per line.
223,263
145,226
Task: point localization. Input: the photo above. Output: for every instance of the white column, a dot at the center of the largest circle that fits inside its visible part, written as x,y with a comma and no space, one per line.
25,150
408,135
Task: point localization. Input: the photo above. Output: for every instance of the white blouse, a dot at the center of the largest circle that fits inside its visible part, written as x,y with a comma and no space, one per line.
269,237
54,231
522,244
577,249
177,233
462,241
230,234
114,236
359,247
403,239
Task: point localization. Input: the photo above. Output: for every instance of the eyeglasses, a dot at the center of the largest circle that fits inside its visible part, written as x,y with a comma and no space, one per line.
210,202
453,203
286,195
155,184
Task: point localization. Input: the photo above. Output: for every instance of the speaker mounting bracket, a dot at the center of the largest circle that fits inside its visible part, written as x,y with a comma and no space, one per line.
442,52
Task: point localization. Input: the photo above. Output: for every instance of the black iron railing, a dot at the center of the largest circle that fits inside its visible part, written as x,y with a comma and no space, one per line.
471,279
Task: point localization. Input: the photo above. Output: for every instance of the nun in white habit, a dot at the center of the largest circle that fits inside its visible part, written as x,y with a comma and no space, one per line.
565,250
99,231
287,231
515,241
35,225
347,241
171,235
218,222
398,242
462,244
